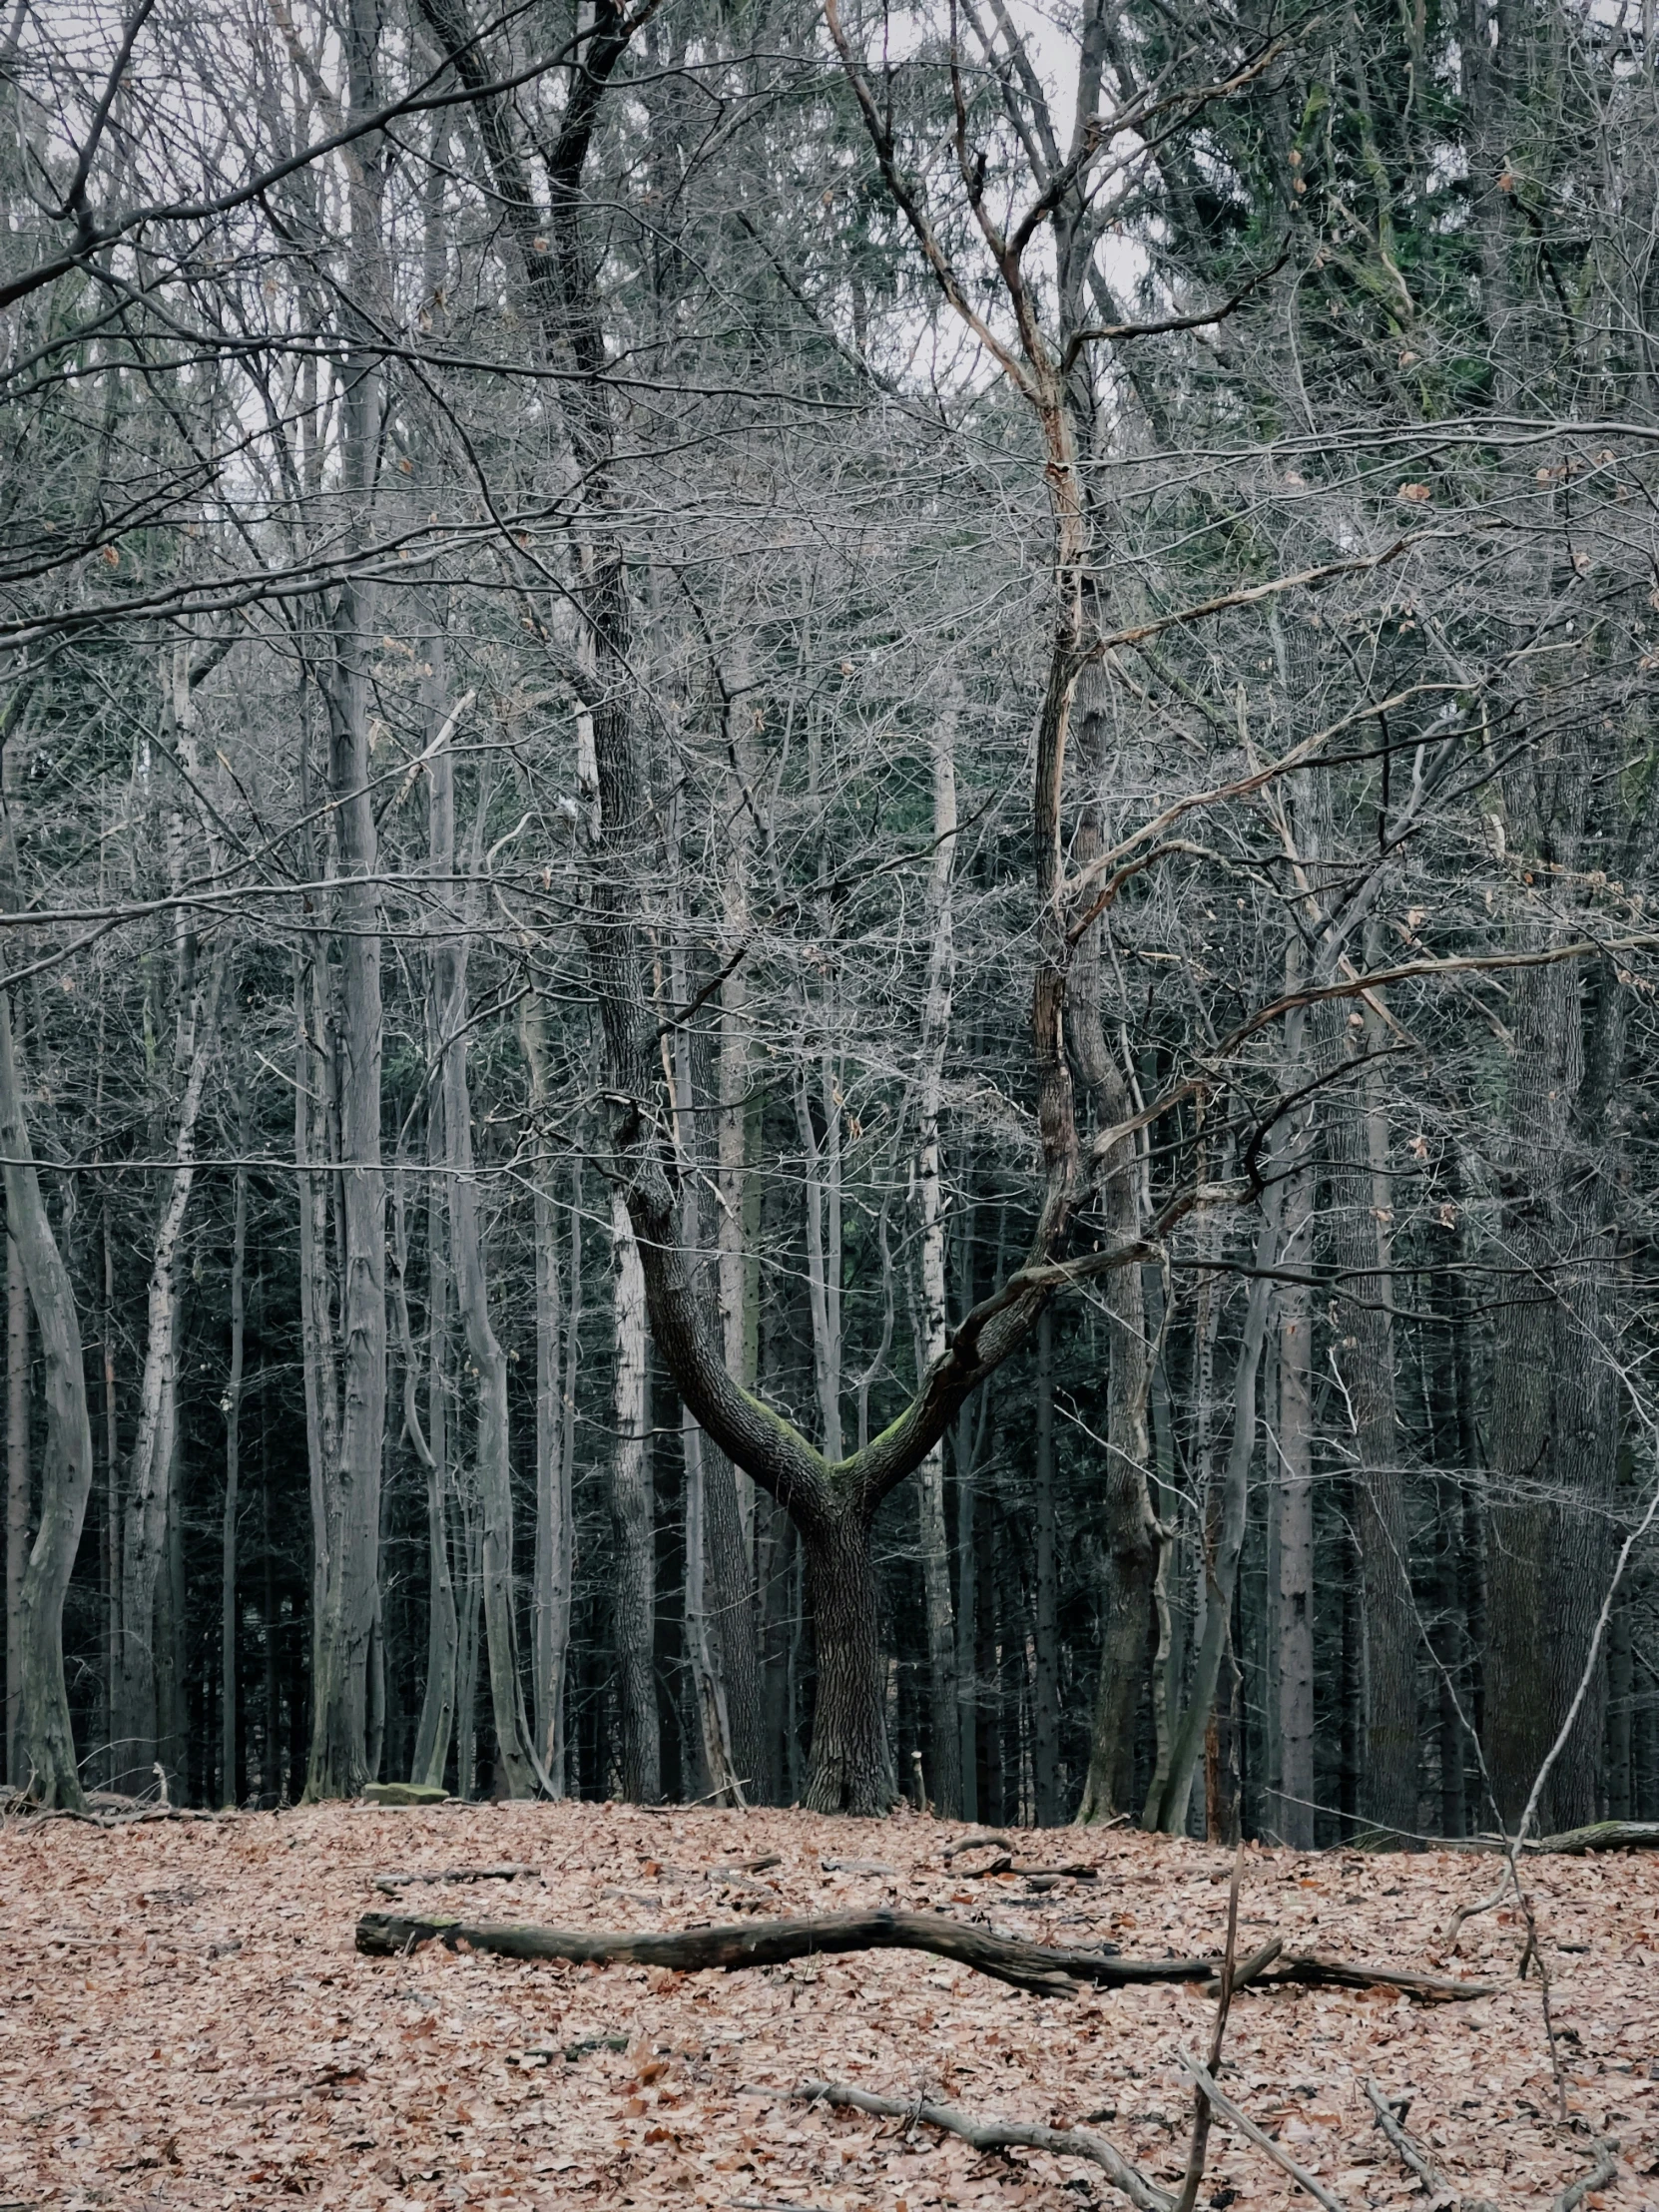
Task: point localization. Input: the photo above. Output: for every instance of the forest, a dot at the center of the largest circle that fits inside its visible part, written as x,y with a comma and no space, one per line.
827,842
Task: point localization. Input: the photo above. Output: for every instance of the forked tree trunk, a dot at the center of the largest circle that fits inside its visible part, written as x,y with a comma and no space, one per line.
43,1742
833,1504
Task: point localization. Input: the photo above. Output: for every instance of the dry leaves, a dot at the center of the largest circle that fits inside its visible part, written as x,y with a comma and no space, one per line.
185,2021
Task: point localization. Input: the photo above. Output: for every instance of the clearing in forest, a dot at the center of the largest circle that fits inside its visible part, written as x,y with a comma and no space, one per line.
186,2019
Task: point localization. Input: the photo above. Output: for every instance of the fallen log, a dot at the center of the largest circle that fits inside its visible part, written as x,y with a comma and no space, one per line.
1024,1966
1064,2142
1042,1969
1572,1843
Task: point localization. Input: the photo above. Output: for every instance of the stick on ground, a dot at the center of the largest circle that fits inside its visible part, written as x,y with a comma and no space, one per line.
1393,2128
1065,2142
1258,2136
1606,2166
1041,1968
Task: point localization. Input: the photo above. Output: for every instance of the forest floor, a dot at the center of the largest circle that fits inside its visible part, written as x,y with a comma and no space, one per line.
185,2021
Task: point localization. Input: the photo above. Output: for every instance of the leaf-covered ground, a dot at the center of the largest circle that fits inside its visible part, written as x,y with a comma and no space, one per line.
183,2020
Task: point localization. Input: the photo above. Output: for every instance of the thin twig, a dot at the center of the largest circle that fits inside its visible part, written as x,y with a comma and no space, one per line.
1392,2126
1258,2136
1200,2143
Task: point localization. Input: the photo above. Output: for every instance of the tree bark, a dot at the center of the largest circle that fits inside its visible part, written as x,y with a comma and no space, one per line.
1360,1211
18,1497
634,1602
1224,1531
229,1615
489,1363
557,1323
345,1625
434,1731
1293,1598
1045,1748
943,1694
144,1535
43,1740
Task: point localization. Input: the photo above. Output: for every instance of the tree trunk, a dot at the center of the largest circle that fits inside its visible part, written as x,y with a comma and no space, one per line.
632,1506
1211,1689
18,1498
144,1535
1130,1535
1294,1597
489,1363
1045,1748
717,1575
850,1768
345,1626
43,1741
554,1560
944,1725
1360,1210
232,1473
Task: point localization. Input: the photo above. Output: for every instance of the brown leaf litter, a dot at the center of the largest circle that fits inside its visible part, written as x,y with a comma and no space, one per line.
185,2021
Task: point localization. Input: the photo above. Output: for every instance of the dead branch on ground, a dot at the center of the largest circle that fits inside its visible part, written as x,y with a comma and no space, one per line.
1063,2142
1041,1968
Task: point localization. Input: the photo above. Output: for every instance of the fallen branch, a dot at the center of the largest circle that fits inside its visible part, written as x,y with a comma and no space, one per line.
390,1883
1606,2166
1044,1969
1572,1843
1064,2142
1469,1912
1601,1835
1258,2136
1392,2124
1024,1966
1313,1969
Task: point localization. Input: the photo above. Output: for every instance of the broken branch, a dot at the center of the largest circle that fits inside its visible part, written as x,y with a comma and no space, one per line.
1044,1969
1606,2166
1392,2126
1258,2136
1064,2142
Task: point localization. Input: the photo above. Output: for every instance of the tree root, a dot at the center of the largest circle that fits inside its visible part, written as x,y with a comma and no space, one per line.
1064,2142
1040,1968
